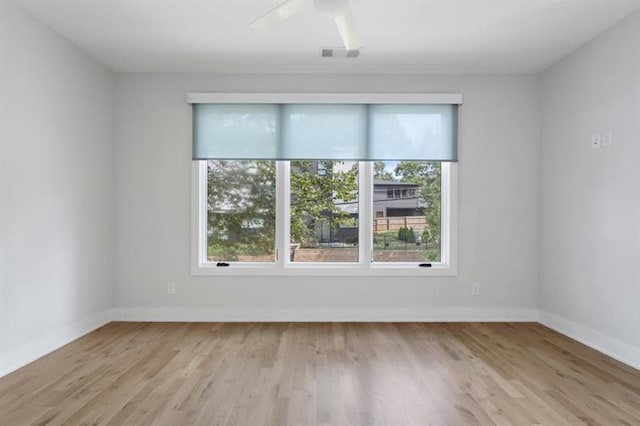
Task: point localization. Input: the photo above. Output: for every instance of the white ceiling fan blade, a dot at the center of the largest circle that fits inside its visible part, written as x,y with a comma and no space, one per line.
347,29
277,15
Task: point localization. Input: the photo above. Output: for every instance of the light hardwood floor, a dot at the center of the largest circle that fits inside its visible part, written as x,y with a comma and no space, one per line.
322,374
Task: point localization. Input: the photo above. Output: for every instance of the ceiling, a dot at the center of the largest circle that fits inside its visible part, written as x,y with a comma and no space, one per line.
398,36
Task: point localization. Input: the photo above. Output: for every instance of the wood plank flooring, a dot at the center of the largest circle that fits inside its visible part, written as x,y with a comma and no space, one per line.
322,374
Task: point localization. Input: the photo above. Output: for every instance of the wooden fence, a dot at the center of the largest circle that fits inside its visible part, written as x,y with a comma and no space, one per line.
383,224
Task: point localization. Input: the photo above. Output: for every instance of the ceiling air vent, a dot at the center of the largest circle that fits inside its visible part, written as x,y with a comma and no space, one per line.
339,53
327,52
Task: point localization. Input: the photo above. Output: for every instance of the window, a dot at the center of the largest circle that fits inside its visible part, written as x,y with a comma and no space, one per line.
241,211
323,207
409,227
246,228
298,189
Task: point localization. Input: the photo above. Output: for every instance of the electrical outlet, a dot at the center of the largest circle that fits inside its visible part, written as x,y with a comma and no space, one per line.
607,138
596,140
171,288
475,289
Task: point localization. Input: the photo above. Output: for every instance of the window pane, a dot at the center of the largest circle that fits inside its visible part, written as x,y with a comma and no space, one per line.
241,210
406,227
324,211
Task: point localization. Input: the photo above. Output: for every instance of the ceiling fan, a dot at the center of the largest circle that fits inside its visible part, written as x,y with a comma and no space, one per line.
338,10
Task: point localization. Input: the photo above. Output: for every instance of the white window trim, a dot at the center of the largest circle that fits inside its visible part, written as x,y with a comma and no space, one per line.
448,265
326,98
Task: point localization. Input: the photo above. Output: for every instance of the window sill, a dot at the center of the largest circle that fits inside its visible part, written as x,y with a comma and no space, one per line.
333,270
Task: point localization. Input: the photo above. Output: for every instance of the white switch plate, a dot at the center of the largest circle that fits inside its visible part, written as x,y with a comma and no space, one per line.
596,140
171,288
607,138
475,289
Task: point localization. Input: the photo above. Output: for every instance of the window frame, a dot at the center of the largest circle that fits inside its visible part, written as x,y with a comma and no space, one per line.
448,266
365,265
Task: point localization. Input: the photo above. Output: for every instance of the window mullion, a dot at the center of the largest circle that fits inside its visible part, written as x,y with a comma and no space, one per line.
365,209
282,214
202,212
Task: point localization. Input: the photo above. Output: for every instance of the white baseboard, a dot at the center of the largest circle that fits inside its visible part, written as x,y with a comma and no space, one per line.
616,349
37,348
204,314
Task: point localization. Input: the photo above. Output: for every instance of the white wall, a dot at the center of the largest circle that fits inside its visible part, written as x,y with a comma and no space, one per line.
56,223
590,211
498,227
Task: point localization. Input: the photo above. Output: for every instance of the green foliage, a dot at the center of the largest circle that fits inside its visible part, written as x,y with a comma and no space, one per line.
380,173
241,208
428,176
315,186
407,234
351,240
389,241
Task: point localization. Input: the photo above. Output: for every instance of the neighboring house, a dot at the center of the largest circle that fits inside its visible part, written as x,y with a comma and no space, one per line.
393,199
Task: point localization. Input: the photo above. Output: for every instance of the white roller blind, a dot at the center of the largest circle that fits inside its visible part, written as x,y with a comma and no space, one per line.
321,131
413,132
325,131
235,131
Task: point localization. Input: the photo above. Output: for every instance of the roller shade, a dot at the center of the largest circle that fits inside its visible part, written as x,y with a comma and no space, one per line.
325,131
413,132
235,131
320,131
